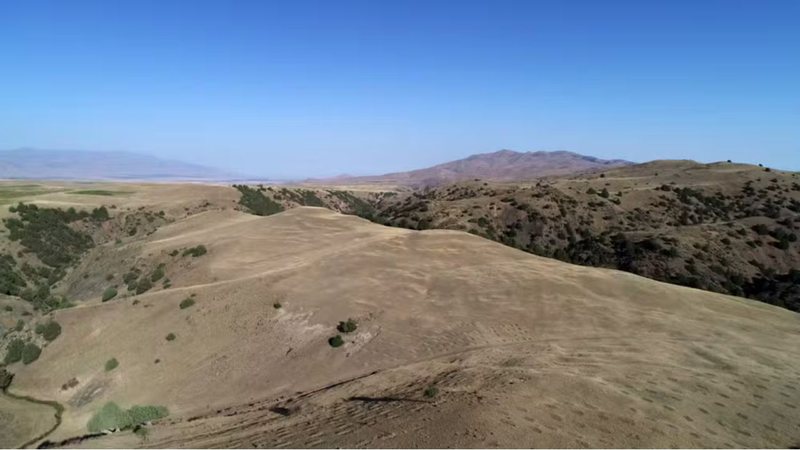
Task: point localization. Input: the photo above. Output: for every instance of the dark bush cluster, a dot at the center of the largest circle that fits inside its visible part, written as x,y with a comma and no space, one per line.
30,353
347,327
5,379
195,252
11,282
336,341
256,202
14,351
112,417
49,331
186,303
46,233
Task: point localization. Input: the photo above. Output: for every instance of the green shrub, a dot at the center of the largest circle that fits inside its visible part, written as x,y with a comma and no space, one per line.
277,305
112,417
430,391
14,351
143,286
49,330
20,325
186,303
336,341
5,379
195,252
30,353
171,337
131,276
8,308
111,364
347,327
109,417
143,414
157,274
109,293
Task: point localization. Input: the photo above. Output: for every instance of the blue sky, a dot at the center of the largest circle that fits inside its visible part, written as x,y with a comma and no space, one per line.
292,89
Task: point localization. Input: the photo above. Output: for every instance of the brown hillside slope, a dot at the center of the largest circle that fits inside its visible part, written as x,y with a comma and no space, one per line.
524,351
730,228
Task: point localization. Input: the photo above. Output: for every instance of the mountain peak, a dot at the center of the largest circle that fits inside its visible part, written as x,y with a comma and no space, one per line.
501,165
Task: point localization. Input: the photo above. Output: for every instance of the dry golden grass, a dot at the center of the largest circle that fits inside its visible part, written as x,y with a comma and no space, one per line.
525,351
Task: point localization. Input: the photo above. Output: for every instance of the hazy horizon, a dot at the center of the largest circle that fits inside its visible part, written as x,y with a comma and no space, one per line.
315,89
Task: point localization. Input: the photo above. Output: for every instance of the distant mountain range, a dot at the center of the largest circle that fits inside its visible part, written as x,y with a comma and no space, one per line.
26,163
503,165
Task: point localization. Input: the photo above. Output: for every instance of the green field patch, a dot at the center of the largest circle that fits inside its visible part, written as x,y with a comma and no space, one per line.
102,192
11,193
112,417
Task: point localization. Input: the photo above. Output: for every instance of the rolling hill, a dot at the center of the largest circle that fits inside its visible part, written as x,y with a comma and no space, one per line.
460,340
726,227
